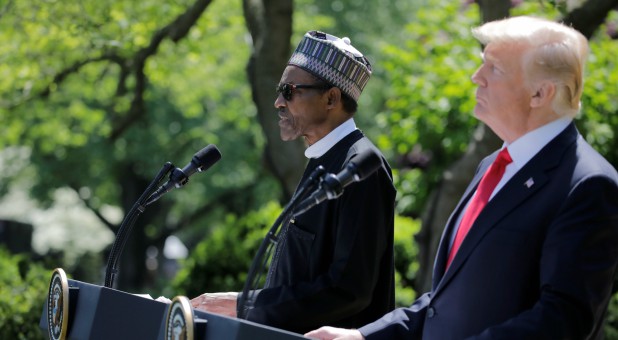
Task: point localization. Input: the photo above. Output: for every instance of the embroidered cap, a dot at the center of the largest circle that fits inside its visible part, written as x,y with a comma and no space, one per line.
334,60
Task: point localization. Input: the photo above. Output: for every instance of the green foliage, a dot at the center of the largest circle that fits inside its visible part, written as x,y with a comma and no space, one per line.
406,263
67,87
193,96
23,289
428,114
221,261
599,121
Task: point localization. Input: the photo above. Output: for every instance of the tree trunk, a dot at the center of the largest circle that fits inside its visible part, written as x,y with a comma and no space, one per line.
270,25
443,200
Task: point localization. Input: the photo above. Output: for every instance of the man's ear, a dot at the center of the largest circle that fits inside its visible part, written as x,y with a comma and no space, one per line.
543,94
334,97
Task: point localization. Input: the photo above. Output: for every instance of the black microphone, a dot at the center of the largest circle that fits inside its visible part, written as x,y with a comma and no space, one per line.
201,161
331,187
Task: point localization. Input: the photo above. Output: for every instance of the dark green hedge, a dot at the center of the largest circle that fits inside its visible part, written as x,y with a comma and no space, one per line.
23,289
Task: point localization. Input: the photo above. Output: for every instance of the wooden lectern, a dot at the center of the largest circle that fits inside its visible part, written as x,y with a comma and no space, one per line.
79,310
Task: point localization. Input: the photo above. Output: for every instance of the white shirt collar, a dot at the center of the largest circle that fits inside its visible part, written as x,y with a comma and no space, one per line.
528,145
525,147
322,146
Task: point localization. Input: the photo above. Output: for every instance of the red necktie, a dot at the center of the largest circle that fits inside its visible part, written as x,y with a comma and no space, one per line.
480,198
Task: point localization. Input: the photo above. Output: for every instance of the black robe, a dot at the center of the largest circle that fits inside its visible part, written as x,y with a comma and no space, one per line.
335,262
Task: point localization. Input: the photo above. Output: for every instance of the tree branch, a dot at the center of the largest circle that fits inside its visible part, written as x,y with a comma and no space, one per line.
176,30
64,73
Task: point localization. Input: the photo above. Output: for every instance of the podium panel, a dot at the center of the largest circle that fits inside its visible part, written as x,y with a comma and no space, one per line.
97,312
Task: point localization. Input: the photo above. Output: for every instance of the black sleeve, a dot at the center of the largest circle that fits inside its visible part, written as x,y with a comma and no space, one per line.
365,214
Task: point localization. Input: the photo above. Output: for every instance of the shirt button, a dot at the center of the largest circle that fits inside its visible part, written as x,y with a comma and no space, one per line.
431,312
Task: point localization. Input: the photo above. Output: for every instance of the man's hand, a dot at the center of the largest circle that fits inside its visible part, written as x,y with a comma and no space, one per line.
332,333
219,303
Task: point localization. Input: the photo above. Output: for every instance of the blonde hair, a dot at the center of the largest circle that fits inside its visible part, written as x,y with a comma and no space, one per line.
555,52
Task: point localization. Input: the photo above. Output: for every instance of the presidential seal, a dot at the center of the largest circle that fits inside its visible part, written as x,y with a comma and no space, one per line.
179,322
58,305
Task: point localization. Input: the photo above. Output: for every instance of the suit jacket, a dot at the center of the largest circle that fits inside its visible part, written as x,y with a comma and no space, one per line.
538,263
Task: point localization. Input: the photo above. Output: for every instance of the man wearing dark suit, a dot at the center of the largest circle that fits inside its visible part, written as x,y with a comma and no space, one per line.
538,260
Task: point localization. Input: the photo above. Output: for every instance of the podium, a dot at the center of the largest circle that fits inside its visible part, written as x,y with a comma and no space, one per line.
97,312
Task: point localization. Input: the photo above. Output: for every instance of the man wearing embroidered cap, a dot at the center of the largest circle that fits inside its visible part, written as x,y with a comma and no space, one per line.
333,264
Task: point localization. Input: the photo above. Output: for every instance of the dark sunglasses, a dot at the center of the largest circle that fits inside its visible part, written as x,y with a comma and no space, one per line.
287,89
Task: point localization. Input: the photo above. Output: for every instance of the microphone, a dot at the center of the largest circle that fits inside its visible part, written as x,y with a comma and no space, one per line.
331,187
201,161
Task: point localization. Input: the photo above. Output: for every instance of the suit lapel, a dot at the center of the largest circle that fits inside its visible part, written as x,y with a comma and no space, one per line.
444,246
528,180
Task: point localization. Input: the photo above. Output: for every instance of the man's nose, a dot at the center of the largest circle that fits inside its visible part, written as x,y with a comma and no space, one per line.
477,78
280,101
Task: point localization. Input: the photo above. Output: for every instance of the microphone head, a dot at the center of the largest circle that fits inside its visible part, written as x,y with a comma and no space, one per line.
365,164
205,158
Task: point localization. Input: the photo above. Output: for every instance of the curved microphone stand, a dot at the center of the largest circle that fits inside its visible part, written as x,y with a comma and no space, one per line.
127,225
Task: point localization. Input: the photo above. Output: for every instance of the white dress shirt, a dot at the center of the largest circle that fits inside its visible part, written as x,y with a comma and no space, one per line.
322,146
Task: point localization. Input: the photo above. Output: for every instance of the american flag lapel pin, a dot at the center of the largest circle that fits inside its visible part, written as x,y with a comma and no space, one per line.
529,183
